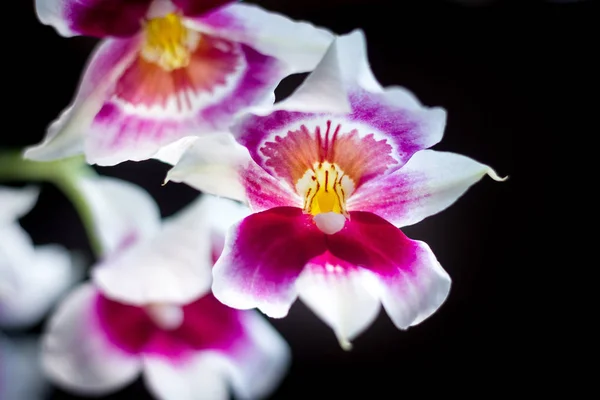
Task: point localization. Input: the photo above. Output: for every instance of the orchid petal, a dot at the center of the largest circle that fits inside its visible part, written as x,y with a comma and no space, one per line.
218,165
172,267
202,377
211,165
66,135
298,44
39,278
337,293
93,366
344,67
97,18
16,202
253,362
258,366
430,182
172,153
411,283
123,213
259,265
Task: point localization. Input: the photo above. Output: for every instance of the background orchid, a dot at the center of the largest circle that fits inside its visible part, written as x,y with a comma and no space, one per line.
488,67
149,309
167,70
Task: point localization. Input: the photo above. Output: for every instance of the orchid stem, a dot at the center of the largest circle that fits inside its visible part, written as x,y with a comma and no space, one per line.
64,174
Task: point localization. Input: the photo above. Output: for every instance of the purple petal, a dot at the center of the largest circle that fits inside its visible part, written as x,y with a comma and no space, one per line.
411,283
263,256
99,18
430,182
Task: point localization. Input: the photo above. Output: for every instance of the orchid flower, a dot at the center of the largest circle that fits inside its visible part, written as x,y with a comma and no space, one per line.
168,70
148,309
330,174
32,278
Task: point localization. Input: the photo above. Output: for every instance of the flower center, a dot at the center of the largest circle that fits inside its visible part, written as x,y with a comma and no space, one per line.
325,188
168,43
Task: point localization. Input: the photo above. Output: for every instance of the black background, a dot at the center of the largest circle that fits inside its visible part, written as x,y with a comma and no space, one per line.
511,75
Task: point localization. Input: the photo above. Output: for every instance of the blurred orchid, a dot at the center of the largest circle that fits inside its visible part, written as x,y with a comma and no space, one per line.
149,309
32,278
20,373
167,70
331,173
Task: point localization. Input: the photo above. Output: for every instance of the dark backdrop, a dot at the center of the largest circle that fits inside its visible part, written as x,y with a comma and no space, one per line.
510,74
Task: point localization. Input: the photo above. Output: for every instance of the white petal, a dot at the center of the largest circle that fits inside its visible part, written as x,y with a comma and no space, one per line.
259,368
39,283
66,135
16,250
344,67
15,203
20,373
299,44
409,302
223,213
122,212
430,182
172,267
211,165
339,297
75,354
171,153
200,378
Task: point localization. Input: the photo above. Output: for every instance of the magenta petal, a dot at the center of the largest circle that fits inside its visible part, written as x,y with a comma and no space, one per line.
411,283
198,7
207,325
264,254
99,18
127,327
369,241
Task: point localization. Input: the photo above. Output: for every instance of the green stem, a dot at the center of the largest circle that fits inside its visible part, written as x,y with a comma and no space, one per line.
64,174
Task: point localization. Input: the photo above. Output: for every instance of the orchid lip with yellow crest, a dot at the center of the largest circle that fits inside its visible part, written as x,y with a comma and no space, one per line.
168,70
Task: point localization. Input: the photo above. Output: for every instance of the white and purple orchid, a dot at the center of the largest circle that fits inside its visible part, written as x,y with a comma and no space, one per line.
330,174
167,70
32,278
148,309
